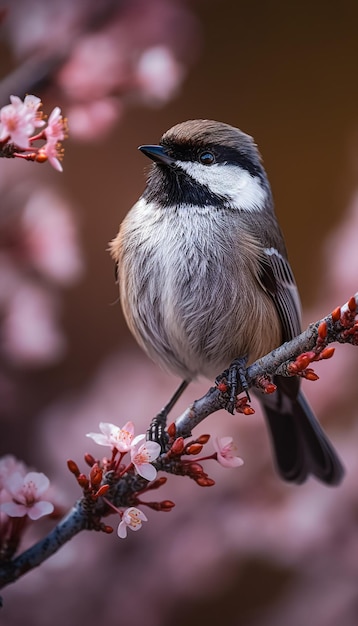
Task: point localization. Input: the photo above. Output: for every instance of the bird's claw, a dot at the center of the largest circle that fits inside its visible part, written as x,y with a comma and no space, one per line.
235,377
157,430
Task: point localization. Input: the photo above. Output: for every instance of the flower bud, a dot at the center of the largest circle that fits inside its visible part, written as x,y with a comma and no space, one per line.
166,505
96,475
171,430
203,439
73,467
90,460
178,446
193,448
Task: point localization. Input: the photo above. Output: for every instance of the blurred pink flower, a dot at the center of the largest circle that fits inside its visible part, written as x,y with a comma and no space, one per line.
225,449
9,465
30,334
113,436
132,518
142,455
93,119
158,73
26,492
51,239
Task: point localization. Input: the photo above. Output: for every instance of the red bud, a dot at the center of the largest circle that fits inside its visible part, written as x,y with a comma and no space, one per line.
336,314
327,353
248,410
322,330
158,482
270,388
178,446
223,387
90,460
203,439
107,529
196,468
166,505
194,448
73,467
352,305
309,374
172,430
96,474
102,491
83,481
205,481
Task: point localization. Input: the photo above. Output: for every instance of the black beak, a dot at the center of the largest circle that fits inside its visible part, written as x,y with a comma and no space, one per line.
157,154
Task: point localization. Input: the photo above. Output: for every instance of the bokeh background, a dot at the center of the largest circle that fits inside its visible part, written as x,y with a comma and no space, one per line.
251,551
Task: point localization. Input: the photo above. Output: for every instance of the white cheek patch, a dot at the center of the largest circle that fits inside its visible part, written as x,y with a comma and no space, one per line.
241,190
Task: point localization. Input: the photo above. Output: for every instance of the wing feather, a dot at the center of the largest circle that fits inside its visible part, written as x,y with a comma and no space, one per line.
277,279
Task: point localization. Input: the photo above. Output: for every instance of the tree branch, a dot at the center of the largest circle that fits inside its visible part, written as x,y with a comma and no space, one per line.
289,359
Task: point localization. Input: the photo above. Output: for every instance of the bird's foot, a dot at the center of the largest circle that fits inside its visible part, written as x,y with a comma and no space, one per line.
235,379
157,430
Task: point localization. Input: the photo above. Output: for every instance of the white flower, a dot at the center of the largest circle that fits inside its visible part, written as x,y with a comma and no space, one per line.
142,455
113,436
132,518
225,448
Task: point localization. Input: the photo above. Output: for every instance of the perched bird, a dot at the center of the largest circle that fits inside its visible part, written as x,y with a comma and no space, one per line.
204,278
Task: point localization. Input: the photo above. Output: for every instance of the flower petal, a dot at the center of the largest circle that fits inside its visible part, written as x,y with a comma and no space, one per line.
39,509
147,471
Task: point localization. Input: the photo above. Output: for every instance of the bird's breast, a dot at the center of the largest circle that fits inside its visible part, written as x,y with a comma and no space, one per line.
189,288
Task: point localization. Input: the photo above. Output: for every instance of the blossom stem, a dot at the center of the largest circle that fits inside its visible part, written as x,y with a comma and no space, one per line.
112,506
126,469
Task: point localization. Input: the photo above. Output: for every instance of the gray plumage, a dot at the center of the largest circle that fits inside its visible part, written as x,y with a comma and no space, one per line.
204,277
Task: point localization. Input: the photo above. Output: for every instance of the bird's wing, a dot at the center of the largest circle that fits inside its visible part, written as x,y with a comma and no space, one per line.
277,280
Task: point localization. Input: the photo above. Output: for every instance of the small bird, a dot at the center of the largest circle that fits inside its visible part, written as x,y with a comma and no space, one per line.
204,279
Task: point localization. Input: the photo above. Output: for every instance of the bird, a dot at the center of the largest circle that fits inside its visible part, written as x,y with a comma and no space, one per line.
205,282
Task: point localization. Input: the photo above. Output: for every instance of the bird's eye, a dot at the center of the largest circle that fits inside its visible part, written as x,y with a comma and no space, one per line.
207,158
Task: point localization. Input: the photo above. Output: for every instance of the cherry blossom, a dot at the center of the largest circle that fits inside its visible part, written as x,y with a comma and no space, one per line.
225,449
19,119
158,73
132,518
114,437
9,465
142,455
25,493
56,126
53,152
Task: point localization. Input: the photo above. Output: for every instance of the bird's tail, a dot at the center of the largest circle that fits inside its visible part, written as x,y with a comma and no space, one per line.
301,446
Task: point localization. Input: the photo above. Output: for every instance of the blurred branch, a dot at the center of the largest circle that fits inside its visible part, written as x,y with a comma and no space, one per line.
37,71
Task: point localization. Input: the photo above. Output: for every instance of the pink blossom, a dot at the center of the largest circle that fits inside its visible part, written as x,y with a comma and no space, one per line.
142,455
18,120
225,449
158,73
30,331
132,518
53,152
50,236
10,465
113,436
55,126
25,493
